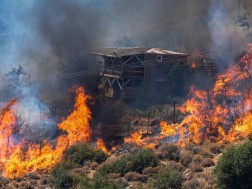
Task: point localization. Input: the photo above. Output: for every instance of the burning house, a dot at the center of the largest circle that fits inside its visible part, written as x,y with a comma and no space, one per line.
129,71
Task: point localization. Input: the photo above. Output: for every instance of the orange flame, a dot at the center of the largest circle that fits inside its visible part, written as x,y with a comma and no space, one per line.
16,162
101,146
222,114
138,139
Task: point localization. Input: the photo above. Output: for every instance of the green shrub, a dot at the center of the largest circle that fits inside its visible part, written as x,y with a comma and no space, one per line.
234,169
144,158
81,152
118,166
135,162
102,182
62,178
166,178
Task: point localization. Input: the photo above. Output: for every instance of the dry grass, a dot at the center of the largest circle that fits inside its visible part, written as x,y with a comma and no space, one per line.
176,166
169,151
150,171
134,176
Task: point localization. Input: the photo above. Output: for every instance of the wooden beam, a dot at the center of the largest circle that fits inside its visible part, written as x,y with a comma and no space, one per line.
128,60
110,75
139,60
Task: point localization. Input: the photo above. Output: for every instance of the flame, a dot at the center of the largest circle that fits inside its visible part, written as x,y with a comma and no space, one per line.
77,123
194,65
101,146
222,114
138,139
16,161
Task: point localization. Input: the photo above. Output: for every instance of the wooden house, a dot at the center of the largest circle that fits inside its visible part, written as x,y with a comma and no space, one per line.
129,73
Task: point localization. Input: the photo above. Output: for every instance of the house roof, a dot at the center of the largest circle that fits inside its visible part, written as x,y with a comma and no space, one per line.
121,52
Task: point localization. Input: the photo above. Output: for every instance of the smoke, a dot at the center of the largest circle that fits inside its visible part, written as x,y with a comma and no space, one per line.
208,26
48,38
41,36
227,38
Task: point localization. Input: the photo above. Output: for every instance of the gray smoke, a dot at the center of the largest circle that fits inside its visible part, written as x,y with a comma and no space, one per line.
40,36
194,25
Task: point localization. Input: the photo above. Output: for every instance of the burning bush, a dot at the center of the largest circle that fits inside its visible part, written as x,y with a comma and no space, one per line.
234,169
82,152
134,162
166,178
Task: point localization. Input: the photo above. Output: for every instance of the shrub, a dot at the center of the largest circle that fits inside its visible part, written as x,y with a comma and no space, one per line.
191,184
196,168
206,154
63,178
234,169
118,166
150,171
135,176
207,163
144,158
81,152
197,159
101,181
166,178
176,166
189,146
136,162
197,150
186,159
169,151
216,148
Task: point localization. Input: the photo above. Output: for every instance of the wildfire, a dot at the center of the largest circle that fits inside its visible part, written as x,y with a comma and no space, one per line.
139,139
222,114
101,146
16,162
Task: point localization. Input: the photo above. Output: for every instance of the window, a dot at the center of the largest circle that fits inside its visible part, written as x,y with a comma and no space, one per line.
159,58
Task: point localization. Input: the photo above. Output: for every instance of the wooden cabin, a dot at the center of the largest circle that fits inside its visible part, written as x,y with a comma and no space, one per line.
129,73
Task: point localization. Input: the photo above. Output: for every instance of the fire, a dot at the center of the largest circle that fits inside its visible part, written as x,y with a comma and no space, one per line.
222,114
16,161
194,65
77,123
101,146
138,139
